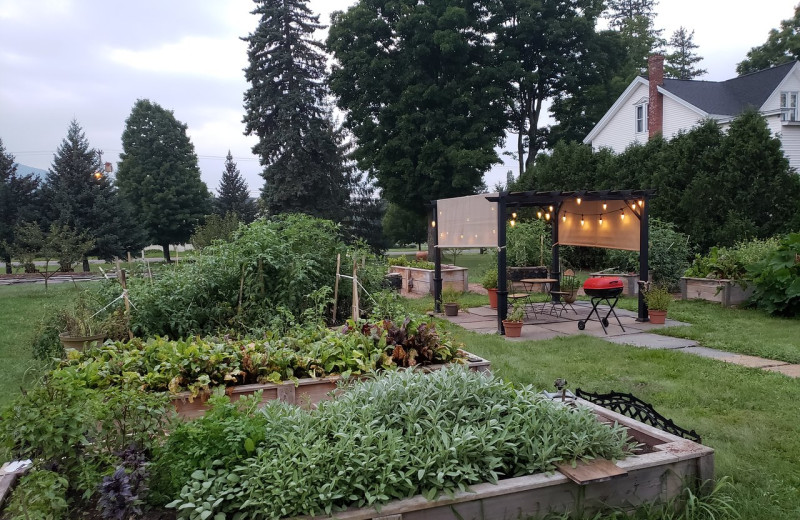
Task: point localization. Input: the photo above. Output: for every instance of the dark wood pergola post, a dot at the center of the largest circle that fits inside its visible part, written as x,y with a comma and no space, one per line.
644,254
437,260
502,289
555,268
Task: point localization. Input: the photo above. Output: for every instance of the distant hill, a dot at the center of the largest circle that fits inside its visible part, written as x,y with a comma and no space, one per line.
23,169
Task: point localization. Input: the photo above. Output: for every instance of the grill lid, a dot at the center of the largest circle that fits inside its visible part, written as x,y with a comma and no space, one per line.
603,283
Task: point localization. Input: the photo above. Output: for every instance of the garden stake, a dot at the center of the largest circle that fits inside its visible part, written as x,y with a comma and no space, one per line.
356,313
241,288
336,284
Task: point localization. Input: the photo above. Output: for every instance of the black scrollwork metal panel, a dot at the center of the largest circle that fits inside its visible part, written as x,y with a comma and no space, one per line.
633,407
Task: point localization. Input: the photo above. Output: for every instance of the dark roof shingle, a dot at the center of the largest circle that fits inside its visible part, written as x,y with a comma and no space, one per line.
732,96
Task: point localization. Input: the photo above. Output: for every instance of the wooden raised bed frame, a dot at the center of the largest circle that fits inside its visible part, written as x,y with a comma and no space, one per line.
305,392
727,292
659,474
421,280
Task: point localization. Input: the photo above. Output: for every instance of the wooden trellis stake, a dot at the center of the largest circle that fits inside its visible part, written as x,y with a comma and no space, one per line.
336,285
356,312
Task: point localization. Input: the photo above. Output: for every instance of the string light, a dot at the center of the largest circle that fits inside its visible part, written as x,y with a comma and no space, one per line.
547,216
605,206
539,214
578,201
641,203
564,217
551,209
433,223
513,223
581,220
622,215
633,206
514,215
600,220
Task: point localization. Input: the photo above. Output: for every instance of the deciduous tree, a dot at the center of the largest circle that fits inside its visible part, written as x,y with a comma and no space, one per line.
298,144
233,194
680,63
158,175
423,95
782,45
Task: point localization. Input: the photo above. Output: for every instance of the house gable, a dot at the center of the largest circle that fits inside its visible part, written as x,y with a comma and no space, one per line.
636,91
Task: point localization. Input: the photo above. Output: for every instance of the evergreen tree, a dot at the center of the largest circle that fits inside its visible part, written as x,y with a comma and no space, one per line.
159,177
18,195
79,195
680,62
366,210
285,108
234,194
782,45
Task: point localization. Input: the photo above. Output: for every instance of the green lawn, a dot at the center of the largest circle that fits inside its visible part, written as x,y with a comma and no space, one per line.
21,309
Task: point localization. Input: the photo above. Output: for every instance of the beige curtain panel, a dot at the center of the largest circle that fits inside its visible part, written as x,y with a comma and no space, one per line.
613,227
467,221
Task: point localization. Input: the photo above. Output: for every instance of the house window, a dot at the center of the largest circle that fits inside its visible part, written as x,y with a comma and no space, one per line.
641,118
789,106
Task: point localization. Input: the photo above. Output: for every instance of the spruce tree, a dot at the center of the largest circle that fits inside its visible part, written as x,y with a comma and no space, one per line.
680,62
79,194
298,145
17,202
159,176
233,194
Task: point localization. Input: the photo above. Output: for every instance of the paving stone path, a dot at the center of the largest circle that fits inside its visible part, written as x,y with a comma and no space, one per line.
543,326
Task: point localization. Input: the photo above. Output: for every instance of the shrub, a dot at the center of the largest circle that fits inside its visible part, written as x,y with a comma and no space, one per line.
388,439
266,272
489,280
657,298
777,279
216,227
528,244
732,263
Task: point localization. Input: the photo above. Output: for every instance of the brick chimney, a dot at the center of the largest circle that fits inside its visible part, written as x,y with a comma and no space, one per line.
655,105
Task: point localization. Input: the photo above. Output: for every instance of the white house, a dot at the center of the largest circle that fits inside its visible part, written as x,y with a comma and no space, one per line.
658,105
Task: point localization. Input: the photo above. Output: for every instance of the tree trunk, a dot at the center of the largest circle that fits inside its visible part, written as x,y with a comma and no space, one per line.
165,247
85,264
7,260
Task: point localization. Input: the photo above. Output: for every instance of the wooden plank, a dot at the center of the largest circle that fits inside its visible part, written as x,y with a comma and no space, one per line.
597,470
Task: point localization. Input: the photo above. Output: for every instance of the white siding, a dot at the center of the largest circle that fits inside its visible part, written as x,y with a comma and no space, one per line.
677,117
620,132
790,84
790,139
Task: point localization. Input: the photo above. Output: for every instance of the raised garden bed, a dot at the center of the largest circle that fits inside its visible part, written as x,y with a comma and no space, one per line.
306,392
420,281
630,281
666,464
724,291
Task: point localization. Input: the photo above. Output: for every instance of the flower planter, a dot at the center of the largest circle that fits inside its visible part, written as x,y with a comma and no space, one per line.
492,298
305,392
451,309
658,474
420,281
513,328
80,342
724,291
657,317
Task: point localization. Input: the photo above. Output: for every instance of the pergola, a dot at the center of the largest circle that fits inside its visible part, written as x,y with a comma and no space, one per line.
616,219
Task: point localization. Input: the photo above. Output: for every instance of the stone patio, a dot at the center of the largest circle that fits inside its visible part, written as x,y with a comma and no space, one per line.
543,325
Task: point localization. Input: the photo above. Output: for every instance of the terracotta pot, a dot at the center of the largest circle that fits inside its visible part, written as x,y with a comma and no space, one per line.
657,317
570,298
492,298
513,328
421,255
451,309
80,342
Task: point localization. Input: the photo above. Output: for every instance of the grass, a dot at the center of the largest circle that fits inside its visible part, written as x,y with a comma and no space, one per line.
750,417
21,309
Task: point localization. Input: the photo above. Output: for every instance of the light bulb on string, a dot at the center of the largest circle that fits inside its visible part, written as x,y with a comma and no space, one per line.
622,215
600,220
547,216
564,217
581,220
433,223
514,215
578,200
641,203
539,214
513,223
633,206
605,206
551,209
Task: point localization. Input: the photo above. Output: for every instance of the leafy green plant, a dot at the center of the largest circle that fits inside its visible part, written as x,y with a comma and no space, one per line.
40,495
572,283
450,295
528,244
387,438
732,263
657,298
216,227
517,311
777,279
404,261
489,280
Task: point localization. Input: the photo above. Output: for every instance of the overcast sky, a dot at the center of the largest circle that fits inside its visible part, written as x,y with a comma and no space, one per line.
92,59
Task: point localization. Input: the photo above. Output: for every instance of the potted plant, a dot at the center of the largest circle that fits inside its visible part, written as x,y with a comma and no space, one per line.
489,283
450,297
570,286
513,324
657,298
79,327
